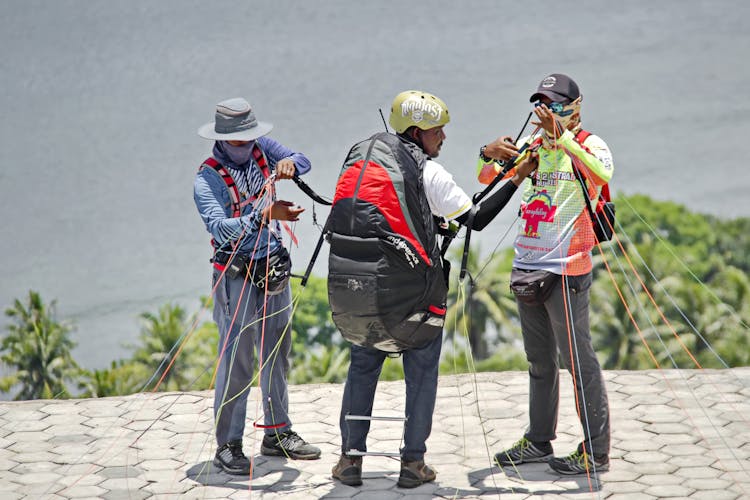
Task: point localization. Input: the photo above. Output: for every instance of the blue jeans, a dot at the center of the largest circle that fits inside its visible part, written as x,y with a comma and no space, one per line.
421,375
547,336
236,362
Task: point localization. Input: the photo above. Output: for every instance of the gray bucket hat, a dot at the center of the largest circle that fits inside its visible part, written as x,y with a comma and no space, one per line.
235,121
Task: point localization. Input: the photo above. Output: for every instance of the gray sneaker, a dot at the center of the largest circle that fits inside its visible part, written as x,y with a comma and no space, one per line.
578,463
290,445
348,470
524,451
230,459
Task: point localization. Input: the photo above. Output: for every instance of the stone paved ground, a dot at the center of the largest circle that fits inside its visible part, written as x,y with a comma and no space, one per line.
676,434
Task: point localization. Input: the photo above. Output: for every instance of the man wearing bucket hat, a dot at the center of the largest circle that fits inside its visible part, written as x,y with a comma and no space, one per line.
252,299
553,248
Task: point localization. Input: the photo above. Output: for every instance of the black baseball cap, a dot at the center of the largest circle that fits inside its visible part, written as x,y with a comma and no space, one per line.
557,87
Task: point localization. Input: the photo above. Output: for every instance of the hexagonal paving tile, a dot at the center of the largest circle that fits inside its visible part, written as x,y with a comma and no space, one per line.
704,453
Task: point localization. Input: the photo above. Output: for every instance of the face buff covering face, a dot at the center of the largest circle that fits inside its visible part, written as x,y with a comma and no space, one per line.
239,155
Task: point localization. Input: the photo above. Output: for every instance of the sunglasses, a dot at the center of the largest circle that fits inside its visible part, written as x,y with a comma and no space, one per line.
557,108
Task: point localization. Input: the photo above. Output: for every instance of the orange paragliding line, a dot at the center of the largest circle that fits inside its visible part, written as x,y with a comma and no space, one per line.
653,301
242,291
678,399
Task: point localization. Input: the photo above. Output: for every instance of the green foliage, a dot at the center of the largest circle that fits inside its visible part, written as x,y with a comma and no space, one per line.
457,359
483,302
672,221
119,379
200,356
682,278
676,294
733,241
674,298
393,368
160,339
321,365
38,347
312,322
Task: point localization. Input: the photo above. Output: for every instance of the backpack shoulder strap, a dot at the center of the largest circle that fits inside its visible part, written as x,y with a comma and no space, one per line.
260,159
581,136
234,193
604,194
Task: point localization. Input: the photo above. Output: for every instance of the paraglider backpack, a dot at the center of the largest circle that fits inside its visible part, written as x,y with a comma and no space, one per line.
603,217
386,286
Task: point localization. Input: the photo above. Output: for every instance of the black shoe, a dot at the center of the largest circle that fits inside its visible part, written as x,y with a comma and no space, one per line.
288,444
415,473
231,459
524,451
578,463
348,470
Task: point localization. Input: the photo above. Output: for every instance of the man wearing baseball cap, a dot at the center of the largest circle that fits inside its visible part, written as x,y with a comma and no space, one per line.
252,299
554,247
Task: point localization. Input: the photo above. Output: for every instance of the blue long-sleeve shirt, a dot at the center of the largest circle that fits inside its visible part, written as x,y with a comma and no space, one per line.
215,206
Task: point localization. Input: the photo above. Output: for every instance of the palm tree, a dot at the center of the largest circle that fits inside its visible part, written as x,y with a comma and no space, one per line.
120,379
325,364
312,323
39,348
160,337
719,318
484,303
612,331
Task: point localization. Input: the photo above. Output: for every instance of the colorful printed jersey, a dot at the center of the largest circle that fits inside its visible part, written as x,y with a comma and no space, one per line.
555,231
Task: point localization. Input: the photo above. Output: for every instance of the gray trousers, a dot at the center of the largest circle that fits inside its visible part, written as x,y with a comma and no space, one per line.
272,339
547,335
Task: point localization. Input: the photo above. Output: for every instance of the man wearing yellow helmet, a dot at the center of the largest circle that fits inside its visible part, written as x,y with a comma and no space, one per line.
554,247
418,118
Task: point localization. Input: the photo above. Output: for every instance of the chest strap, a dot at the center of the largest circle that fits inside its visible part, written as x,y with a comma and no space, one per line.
234,193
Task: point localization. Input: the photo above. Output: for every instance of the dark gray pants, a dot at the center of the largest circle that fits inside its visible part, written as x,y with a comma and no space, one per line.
546,329
236,364
421,377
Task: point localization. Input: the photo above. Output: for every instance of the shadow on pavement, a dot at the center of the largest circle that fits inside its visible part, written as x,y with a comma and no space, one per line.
280,478
486,478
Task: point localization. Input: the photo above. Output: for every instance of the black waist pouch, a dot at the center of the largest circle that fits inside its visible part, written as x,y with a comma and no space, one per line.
270,273
532,287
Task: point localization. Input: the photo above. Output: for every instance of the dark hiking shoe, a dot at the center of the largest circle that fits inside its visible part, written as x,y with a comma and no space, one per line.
524,451
578,463
415,473
230,459
348,470
288,444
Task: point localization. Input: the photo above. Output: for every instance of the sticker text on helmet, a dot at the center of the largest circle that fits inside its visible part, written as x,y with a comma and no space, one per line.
418,107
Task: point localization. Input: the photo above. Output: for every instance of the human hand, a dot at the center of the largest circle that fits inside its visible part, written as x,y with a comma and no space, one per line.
282,210
501,149
524,167
547,121
285,169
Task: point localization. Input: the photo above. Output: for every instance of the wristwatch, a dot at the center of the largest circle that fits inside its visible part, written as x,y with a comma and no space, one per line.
484,157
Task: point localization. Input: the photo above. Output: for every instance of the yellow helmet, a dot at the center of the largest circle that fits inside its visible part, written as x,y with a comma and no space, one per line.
419,109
